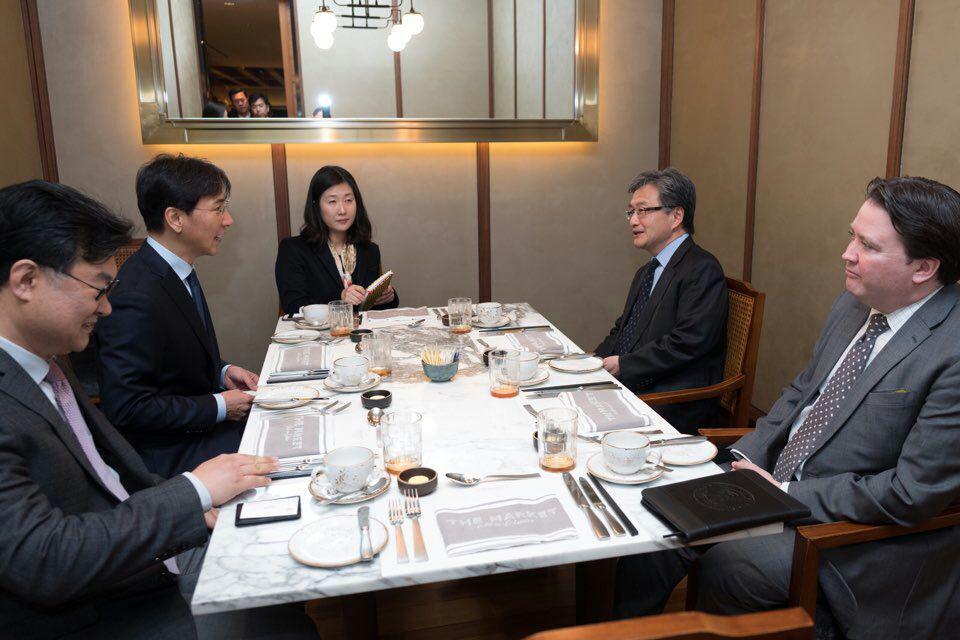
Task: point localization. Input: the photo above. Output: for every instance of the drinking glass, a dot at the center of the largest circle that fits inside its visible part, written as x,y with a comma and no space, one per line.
341,318
557,432
504,374
461,314
378,346
402,440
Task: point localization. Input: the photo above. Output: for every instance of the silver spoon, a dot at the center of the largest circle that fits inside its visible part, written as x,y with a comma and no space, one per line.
469,481
376,486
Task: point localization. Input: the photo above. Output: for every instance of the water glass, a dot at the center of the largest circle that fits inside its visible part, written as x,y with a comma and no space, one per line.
557,432
378,346
504,374
341,318
402,440
460,311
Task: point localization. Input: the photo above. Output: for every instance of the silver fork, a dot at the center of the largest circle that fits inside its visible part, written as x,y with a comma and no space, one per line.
396,519
413,512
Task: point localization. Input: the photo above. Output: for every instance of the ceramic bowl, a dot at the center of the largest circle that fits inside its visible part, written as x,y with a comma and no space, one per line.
423,488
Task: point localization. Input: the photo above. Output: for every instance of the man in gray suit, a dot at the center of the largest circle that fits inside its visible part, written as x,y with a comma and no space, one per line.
869,432
89,537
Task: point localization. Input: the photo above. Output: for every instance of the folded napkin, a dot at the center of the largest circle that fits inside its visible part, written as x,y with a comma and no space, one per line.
502,524
301,358
604,409
543,342
292,436
403,312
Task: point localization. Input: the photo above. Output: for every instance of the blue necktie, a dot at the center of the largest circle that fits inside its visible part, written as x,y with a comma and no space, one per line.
630,330
197,294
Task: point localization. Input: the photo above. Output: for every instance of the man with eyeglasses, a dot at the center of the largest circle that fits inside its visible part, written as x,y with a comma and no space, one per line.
672,332
90,538
163,382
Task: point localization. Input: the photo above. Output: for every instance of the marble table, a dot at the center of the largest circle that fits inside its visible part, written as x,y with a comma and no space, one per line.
466,430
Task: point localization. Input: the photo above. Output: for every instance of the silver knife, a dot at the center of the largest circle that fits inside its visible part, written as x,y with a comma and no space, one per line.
602,508
548,393
366,547
598,528
666,442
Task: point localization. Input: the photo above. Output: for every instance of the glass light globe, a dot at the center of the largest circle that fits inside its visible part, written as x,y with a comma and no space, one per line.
402,31
396,41
327,20
413,22
323,39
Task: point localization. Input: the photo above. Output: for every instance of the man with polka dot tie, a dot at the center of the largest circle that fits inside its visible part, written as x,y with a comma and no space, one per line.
869,432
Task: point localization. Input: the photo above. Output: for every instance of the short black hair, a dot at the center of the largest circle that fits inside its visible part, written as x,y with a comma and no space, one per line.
314,230
176,181
54,225
259,96
926,214
676,190
214,109
234,92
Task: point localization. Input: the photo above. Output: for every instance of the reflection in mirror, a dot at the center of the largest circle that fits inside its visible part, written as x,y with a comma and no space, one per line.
504,59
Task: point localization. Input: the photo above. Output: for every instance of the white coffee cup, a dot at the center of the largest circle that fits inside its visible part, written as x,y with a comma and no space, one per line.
529,364
315,313
347,469
350,370
489,313
625,452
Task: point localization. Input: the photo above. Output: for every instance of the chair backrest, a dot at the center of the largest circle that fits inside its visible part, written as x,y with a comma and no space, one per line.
744,320
128,250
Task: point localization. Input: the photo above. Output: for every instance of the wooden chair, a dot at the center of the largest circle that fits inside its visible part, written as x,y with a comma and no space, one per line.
785,624
744,320
128,250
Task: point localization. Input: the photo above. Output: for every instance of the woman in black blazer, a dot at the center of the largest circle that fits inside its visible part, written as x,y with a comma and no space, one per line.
334,257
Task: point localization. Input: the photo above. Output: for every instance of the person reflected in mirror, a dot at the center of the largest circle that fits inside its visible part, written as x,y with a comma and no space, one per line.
214,109
334,257
672,333
240,104
260,105
321,112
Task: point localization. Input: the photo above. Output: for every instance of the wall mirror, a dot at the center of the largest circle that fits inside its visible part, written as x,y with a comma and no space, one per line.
289,71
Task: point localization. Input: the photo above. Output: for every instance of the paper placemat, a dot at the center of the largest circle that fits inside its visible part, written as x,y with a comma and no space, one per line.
302,358
294,436
604,410
543,342
402,312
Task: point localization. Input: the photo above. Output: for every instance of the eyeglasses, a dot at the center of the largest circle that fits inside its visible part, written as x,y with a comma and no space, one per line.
643,211
222,209
102,292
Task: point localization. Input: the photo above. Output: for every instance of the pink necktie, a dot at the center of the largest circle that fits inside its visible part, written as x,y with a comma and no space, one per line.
71,411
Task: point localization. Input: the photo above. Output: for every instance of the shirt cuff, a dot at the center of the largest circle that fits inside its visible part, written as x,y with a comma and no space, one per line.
221,407
784,486
223,376
206,500
740,453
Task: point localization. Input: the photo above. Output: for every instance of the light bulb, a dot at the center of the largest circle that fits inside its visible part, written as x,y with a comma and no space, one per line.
326,18
413,22
402,31
323,40
396,41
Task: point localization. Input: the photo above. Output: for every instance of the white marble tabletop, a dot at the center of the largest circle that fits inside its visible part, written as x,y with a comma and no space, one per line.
465,430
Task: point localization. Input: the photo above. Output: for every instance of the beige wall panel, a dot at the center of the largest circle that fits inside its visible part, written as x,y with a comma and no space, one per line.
503,57
827,86
530,58
559,238
932,134
422,201
97,132
18,129
712,83
561,34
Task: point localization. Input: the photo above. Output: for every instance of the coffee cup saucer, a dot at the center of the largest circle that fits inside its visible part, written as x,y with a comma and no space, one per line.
502,322
370,380
303,323
598,467
542,374
321,489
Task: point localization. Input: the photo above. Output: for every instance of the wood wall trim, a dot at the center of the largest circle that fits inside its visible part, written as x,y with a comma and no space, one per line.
290,80
901,76
515,102
281,190
543,61
38,83
754,145
666,81
398,83
483,221
491,103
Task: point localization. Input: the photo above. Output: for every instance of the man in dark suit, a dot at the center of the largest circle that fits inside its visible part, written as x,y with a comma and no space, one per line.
673,330
89,536
866,432
163,383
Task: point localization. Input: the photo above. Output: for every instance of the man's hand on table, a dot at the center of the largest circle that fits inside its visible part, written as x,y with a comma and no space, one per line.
746,464
612,365
238,403
239,378
230,474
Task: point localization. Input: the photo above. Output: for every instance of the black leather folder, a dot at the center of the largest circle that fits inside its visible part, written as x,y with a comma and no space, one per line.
712,505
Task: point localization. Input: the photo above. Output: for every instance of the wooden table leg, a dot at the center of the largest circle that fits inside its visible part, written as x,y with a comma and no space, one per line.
595,582
359,616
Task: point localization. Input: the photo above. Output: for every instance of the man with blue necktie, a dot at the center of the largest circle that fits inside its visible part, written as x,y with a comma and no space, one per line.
673,330
163,382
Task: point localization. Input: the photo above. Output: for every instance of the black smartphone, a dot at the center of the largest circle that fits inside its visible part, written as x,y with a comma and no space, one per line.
263,511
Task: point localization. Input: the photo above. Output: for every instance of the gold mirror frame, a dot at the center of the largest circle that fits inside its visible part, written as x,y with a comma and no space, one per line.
156,128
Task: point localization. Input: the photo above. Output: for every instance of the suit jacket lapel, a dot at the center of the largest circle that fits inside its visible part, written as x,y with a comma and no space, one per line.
836,344
326,259
663,283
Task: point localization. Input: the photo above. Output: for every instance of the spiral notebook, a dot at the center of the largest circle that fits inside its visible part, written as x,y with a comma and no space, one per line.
376,289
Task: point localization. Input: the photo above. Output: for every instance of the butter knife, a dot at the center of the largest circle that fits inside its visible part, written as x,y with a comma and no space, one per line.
613,505
666,442
366,547
553,393
494,331
598,528
602,508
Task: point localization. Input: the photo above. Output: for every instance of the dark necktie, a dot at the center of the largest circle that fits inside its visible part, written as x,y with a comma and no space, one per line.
802,443
197,294
630,330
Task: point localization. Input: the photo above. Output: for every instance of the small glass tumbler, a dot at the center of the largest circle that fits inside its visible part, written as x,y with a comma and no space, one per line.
504,374
378,347
460,311
402,440
557,432
341,318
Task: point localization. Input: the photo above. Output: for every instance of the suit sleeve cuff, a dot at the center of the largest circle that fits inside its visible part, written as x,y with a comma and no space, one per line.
221,407
206,500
